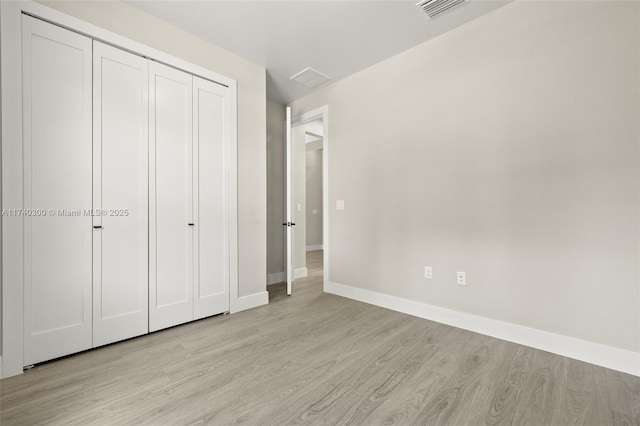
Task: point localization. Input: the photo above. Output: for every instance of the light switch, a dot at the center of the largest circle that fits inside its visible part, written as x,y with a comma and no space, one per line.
314,211
299,207
340,205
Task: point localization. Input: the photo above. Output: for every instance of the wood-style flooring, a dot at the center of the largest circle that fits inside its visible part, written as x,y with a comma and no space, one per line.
321,359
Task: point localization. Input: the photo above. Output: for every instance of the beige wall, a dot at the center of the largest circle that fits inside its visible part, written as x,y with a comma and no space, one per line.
508,149
276,116
314,196
130,22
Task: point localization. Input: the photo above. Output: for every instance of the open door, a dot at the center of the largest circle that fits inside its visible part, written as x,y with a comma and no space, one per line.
289,207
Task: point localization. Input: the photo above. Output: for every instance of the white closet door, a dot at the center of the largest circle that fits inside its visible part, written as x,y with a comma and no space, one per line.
211,239
120,194
171,203
57,179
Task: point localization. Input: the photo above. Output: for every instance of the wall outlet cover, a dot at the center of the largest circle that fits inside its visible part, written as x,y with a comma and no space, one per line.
428,272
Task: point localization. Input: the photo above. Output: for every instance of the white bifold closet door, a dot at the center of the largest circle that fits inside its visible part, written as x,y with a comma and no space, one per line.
120,194
211,238
189,239
126,168
171,219
57,191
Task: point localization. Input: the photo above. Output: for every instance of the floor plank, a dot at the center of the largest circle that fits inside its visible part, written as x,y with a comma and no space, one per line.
315,358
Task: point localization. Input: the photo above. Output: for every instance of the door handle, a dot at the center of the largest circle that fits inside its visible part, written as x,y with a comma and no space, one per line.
97,226
191,224
289,224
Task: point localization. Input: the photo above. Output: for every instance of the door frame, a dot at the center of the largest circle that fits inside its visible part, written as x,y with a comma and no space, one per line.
11,361
288,196
304,118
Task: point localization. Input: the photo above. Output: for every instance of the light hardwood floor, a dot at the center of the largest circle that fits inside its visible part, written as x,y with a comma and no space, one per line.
322,359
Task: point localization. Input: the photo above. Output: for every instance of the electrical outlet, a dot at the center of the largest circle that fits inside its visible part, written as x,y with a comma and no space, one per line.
340,205
428,273
461,278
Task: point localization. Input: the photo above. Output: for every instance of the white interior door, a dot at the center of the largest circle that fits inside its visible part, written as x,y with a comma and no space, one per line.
289,207
210,160
120,194
57,191
171,197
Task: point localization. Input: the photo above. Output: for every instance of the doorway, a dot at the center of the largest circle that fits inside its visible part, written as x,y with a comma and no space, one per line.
306,203
313,208
307,149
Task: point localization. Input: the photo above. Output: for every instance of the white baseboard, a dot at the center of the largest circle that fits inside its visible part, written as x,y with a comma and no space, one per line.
315,247
279,277
276,278
1,376
300,273
251,301
594,353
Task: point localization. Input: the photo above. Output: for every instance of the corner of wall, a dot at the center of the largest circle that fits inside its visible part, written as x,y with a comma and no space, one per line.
275,134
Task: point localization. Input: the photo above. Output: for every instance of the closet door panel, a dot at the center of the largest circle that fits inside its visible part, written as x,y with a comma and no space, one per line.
57,183
171,243
120,288
211,245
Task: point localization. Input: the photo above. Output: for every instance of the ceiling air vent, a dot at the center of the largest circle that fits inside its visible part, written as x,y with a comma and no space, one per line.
435,8
310,78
